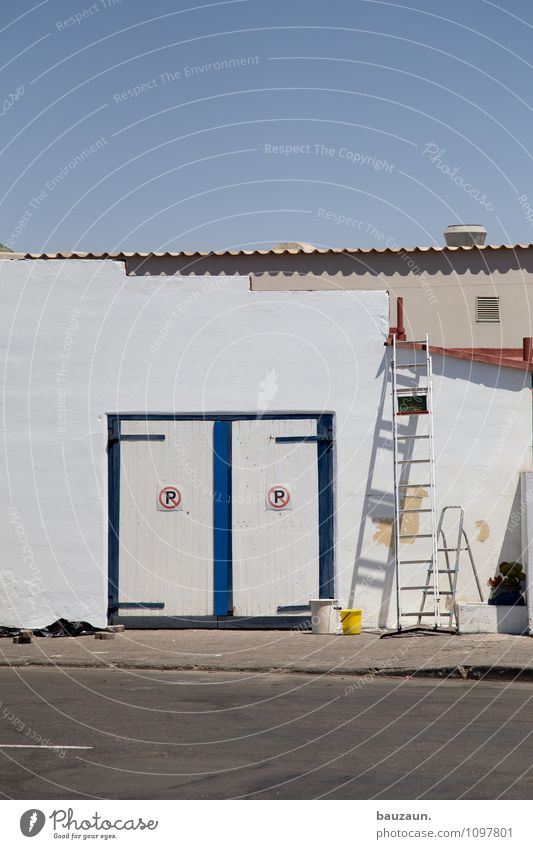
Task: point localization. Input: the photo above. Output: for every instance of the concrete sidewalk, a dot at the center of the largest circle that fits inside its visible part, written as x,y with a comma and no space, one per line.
471,656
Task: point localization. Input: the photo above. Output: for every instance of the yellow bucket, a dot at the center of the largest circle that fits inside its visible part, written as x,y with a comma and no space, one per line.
351,621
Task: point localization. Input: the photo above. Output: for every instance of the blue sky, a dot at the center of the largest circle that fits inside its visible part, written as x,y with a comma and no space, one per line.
182,125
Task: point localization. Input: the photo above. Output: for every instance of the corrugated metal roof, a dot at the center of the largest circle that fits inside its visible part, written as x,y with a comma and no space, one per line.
122,255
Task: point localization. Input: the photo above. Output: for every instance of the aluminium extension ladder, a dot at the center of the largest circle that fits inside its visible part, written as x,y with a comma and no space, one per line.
413,405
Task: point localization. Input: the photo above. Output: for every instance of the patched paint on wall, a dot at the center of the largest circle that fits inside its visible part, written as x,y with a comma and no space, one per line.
383,534
483,530
410,522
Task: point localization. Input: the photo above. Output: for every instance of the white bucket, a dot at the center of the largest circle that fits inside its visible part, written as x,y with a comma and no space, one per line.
325,617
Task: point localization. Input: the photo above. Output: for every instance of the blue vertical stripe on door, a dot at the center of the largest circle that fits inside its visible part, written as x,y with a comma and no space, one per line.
113,511
326,541
222,518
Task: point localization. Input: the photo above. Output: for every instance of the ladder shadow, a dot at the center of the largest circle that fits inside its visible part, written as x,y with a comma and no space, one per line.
378,505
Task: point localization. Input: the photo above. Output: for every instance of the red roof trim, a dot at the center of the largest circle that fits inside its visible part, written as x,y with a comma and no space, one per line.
507,357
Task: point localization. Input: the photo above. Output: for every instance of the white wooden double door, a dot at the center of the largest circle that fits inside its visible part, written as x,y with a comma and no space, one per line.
174,519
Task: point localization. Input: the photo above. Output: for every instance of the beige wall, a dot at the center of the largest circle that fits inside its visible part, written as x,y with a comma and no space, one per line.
439,287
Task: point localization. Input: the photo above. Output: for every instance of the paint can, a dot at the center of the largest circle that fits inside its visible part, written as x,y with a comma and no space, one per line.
351,622
324,615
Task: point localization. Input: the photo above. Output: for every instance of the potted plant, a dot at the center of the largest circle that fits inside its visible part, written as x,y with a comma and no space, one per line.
506,586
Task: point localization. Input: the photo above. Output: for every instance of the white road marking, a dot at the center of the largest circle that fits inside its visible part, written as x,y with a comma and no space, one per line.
27,746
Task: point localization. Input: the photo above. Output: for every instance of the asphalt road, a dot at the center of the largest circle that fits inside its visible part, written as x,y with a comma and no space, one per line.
197,735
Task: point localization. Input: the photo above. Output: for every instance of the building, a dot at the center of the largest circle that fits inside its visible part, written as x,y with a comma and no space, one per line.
464,294
184,450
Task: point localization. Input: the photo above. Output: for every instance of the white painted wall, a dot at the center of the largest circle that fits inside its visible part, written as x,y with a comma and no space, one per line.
79,339
122,344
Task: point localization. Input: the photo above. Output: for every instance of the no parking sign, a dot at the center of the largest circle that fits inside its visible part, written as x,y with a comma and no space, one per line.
278,497
169,499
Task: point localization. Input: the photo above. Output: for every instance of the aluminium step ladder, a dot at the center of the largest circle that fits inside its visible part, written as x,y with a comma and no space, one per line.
451,570
417,571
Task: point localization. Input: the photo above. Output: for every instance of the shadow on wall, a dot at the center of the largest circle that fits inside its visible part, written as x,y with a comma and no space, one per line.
377,515
475,372
511,620
511,547
341,264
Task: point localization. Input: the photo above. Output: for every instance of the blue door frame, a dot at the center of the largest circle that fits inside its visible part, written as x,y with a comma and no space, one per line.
222,520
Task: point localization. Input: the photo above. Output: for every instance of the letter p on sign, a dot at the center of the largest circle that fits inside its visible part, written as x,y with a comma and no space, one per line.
278,497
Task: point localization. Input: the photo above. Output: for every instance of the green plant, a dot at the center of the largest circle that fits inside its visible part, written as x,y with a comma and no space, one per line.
510,577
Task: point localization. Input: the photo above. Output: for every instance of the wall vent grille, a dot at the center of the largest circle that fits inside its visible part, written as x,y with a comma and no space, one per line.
488,309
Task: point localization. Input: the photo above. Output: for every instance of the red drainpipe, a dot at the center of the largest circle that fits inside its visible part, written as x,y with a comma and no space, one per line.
526,349
400,329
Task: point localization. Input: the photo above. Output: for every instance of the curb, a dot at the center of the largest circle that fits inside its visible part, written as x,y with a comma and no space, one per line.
462,673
